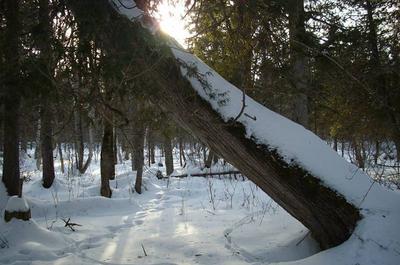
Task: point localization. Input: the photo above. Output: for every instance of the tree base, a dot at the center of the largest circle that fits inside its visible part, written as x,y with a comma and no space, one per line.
25,216
106,192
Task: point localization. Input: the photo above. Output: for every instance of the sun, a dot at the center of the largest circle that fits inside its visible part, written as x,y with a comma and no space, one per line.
171,22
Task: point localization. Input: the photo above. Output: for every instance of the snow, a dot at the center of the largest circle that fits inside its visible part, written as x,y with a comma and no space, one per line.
376,237
192,220
3,196
17,204
175,221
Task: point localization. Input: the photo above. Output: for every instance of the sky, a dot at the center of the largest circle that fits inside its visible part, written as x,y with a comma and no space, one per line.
170,17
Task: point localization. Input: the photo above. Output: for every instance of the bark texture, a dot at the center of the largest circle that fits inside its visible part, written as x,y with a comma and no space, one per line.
299,63
46,135
138,142
169,160
11,173
107,167
45,64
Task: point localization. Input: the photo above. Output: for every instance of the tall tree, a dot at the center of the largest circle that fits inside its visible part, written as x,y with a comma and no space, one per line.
107,166
138,154
44,41
299,61
12,97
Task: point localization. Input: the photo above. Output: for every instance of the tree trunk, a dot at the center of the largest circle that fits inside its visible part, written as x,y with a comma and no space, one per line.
138,143
46,136
90,155
79,147
11,173
45,65
107,166
169,160
182,158
61,158
38,152
330,218
115,146
297,35
209,160
150,144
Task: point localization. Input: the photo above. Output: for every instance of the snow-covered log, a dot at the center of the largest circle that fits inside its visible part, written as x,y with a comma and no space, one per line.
295,167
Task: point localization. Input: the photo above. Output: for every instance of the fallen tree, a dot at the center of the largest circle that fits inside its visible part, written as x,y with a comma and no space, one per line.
292,165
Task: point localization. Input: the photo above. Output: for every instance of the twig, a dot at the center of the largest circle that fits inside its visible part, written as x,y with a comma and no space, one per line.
70,225
144,251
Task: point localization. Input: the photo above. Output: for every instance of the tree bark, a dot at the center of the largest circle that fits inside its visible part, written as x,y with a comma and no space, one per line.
138,143
38,152
90,155
61,158
107,166
46,132
11,173
209,160
182,158
46,135
169,160
297,36
79,147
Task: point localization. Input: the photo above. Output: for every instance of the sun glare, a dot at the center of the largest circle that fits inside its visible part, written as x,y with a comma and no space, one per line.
171,22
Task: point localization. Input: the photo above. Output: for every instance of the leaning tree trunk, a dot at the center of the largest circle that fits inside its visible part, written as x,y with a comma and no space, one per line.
330,218
11,177
107,167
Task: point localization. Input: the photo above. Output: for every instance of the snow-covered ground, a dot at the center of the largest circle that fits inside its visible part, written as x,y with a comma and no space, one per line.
191,220
181,221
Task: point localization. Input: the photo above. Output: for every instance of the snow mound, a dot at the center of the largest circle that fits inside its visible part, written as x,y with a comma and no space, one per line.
17,204
28,241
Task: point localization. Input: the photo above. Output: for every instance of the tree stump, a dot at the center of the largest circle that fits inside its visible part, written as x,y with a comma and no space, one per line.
17,208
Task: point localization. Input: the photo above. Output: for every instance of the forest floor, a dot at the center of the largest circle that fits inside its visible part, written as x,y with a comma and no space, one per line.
181,221
190,220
